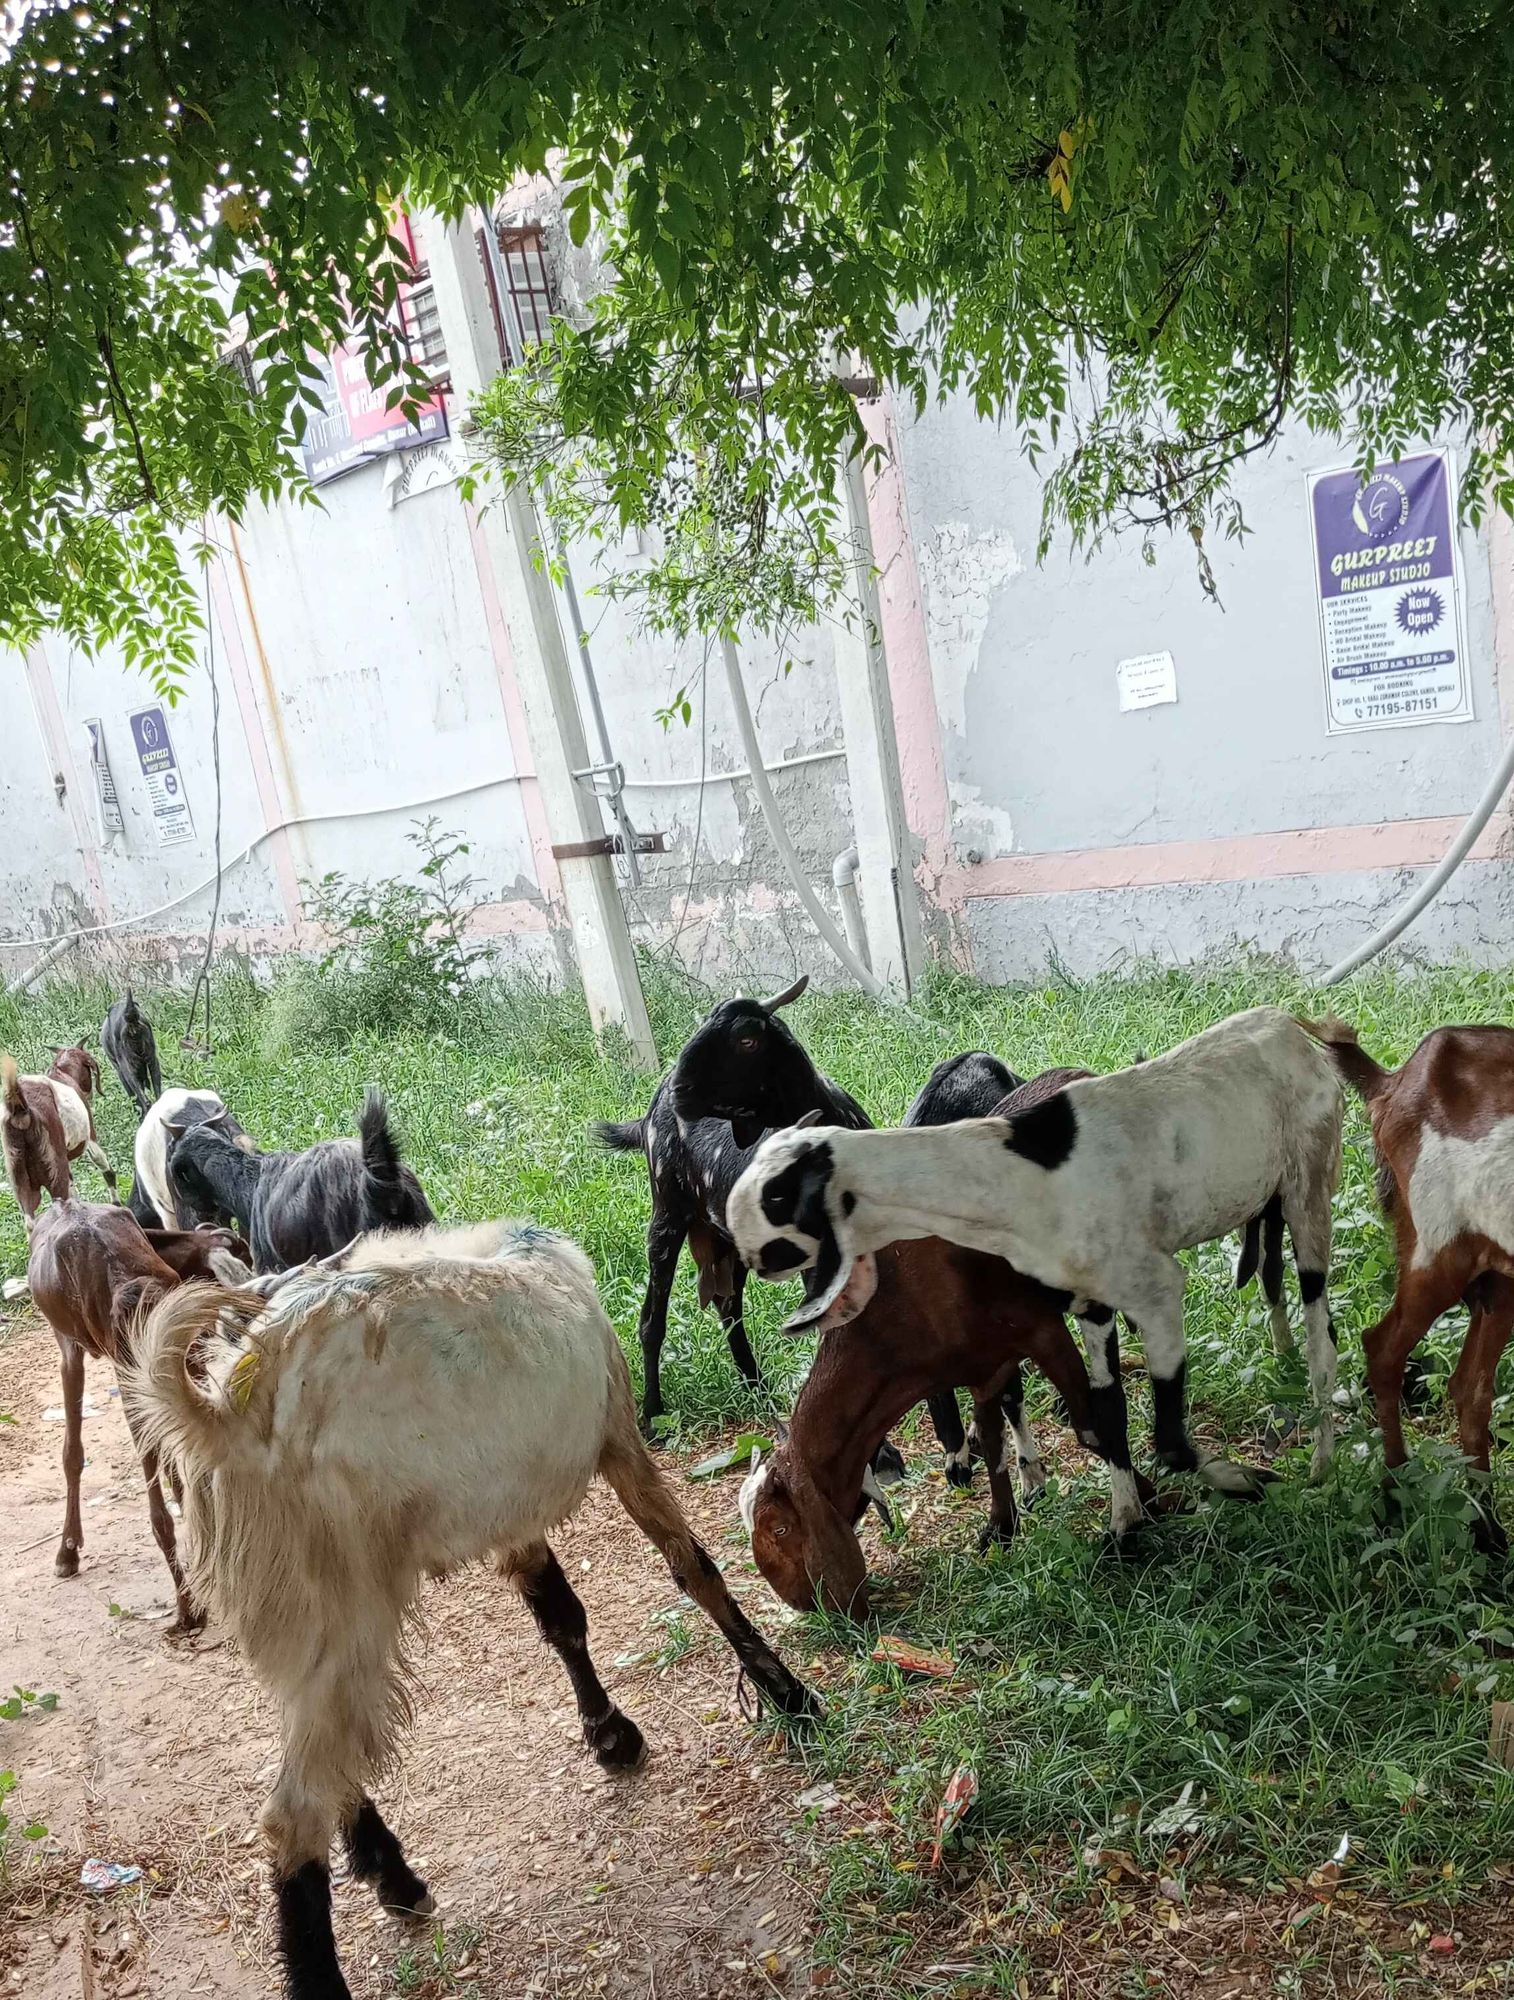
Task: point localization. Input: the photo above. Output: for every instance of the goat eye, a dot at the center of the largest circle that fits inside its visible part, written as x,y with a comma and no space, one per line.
779,1533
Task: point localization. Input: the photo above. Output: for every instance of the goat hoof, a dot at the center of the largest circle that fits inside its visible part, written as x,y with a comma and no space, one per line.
188,1625
1032,1486
959,1473
414,1900
67,1563
888,1464
996,1534
616,1742
1126,1544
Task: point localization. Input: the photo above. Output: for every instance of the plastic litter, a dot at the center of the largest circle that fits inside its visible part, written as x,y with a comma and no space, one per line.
955,1800
892,1651
103,1876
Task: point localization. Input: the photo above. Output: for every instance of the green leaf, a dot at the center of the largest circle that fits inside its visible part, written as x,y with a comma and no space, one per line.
736,1454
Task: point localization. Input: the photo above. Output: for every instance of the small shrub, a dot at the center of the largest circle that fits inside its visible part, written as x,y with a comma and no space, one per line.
398,954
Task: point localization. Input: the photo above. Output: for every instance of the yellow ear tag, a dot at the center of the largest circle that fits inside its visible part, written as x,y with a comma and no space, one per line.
239,1382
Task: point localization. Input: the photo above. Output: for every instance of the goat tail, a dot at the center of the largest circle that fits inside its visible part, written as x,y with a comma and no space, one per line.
381,1155
627,1138
1339,1040
17,1111
174,1408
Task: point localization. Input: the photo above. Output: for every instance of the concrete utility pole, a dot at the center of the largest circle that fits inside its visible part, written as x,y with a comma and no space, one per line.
890,902
559,745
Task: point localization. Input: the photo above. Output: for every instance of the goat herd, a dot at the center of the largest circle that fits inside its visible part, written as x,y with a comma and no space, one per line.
349,1397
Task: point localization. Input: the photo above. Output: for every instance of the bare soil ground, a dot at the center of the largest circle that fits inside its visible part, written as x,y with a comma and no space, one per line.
550,1877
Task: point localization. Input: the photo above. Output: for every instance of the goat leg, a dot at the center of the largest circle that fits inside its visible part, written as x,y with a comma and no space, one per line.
190,1619
376,1856
1003,1515
71,1356
306,1941
1471,1390
1032,1468
664,1241
559,1613
729,1308
1109,1417
946,1421
628,1469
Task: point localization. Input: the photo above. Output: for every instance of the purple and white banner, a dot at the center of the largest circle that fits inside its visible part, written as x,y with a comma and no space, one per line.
1386,563
165,784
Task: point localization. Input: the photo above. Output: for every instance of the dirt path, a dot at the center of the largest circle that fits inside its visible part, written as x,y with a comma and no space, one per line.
550,1878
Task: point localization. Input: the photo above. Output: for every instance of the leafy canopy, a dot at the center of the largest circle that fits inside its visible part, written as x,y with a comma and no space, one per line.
1145,234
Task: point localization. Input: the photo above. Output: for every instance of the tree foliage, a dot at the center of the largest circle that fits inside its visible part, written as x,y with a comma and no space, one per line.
1145,235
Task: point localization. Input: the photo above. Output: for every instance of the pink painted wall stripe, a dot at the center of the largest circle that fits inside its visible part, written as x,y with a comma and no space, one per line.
1411,843
223,609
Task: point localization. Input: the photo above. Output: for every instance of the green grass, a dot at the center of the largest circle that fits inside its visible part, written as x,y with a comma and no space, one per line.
1262,1681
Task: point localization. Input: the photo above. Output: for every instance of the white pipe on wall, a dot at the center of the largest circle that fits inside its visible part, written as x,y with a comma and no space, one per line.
844,881
1432,885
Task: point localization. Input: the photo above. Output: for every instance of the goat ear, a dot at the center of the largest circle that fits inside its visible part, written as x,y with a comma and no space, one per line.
174,1129
810,1118
789,993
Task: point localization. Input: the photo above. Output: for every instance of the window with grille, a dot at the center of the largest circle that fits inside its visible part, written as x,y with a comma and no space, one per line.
422,323
523,254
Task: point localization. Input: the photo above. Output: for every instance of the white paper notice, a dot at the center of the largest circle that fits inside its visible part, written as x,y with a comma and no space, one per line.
1147,680
107,805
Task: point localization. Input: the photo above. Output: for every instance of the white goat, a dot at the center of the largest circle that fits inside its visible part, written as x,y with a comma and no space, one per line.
1093,1192
449,1394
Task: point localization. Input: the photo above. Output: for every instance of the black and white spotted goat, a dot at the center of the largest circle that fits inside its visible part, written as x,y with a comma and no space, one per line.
1093,1192
740,1074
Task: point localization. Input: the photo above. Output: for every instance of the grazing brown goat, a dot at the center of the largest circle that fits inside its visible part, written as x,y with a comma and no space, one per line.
1443,1129
47,1121
942,1318
91,1269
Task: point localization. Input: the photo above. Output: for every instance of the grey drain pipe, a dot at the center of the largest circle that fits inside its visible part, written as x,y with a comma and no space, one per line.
1432,885
819,914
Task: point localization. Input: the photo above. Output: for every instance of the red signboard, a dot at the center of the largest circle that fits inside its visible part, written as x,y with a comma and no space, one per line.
352,424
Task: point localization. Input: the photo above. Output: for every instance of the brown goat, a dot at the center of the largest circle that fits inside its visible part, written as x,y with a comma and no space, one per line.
92,1269
941,1318
1443,1130
47,1121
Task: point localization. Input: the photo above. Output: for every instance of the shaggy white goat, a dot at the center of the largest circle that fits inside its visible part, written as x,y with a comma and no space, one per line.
448,1394
1092,1192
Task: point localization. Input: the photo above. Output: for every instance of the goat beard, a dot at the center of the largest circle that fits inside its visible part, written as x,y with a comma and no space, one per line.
844,1302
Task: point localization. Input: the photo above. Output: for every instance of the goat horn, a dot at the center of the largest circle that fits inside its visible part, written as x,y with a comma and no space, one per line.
338,1257
789,993
809,1118
174,1129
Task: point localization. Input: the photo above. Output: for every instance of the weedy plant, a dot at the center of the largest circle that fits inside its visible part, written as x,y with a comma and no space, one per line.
397,956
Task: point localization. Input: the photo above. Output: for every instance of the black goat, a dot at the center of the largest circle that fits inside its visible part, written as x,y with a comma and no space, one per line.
127,1039
740,1074
295,1206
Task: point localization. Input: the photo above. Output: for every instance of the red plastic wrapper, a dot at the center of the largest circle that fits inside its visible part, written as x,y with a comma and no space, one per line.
955,1800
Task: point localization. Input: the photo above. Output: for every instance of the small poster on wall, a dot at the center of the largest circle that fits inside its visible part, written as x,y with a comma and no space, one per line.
1391,614
165,784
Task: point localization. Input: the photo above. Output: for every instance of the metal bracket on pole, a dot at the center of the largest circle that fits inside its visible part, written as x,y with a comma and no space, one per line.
611,795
